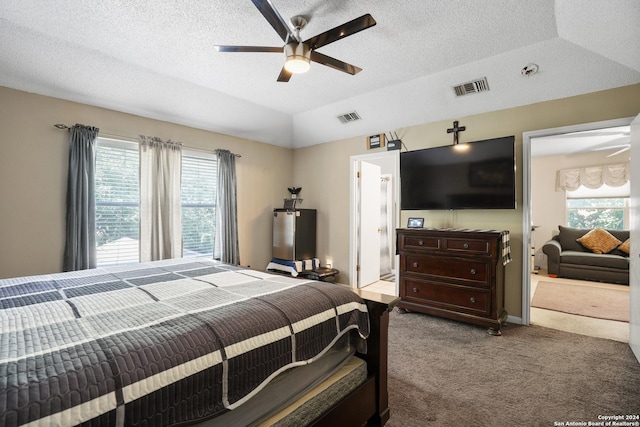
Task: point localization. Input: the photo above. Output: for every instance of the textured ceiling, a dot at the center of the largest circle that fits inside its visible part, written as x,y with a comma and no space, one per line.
155,58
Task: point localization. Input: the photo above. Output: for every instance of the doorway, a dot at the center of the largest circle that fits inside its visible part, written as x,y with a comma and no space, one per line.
387,228
383,218
533,240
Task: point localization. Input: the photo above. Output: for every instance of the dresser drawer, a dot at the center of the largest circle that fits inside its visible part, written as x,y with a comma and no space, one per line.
459,298
420,243
473,272
472,246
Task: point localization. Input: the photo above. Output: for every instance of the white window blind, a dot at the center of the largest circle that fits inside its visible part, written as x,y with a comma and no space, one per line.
199,176
604,191
606,207
118,199
117,202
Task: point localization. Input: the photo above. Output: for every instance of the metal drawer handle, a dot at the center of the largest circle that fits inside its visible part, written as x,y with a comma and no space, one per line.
420,242
466,246
472,299
415,290
473,271
415,264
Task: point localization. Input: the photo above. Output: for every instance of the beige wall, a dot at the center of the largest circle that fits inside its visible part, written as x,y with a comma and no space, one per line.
34,160
33,168
323,171
548,206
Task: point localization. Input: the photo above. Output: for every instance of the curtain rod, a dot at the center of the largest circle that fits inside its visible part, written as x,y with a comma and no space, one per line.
128,138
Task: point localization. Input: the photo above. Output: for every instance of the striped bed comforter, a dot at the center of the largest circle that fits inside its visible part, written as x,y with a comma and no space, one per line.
158,343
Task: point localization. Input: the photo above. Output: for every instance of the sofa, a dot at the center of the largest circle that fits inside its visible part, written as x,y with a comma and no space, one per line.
572,254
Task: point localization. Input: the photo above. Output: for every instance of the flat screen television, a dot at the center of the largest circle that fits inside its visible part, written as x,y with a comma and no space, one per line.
476,175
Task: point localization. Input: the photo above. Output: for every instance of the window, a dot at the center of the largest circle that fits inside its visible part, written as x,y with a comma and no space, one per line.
118,198
199,175
606,207
117,202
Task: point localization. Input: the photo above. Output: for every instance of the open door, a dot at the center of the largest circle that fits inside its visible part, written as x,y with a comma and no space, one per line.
634,260
389,163
369,224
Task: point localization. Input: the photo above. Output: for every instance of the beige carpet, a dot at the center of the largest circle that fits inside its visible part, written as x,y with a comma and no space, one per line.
590,301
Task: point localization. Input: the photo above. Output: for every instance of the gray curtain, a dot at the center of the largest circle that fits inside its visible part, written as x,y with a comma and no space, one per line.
160,209
80,246
226,238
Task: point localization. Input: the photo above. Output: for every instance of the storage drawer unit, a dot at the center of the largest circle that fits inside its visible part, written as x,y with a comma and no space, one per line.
467,271
449,297
457,274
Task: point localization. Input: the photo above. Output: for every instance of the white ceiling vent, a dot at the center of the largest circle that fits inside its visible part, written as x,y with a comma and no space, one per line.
475,86
349,117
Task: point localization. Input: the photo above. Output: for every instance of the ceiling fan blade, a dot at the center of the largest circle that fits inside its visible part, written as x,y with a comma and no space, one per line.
284,76
275,19
334,63
613,143
609,147
625,140
619,151
221,48
590,134
341,31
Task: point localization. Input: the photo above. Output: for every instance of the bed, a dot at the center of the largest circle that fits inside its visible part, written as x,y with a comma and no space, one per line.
190,342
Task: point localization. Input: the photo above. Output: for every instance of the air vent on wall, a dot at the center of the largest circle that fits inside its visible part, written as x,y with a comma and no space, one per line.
349,117
475,86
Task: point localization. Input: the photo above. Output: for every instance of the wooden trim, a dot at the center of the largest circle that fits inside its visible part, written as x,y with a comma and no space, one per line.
379,307
353,410
369,403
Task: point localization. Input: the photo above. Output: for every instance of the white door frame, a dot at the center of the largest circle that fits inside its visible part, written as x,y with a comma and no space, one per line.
374,158
634,262
526,197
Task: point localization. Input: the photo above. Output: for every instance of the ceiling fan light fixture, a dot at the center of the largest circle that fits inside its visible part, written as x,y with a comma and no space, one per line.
298,57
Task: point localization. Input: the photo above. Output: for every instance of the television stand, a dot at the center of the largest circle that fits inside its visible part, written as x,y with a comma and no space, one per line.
453,273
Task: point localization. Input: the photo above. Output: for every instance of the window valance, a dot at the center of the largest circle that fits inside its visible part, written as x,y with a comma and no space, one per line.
593,177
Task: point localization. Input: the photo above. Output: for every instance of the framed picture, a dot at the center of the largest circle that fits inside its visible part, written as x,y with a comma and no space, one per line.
415,223
375,141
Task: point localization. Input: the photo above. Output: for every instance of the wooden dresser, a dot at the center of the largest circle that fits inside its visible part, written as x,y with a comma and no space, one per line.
453,273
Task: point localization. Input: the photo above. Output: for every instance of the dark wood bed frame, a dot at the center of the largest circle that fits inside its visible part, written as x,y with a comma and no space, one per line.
368,404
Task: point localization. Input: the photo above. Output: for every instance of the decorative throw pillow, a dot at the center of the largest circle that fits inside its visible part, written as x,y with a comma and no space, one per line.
599,240
626,246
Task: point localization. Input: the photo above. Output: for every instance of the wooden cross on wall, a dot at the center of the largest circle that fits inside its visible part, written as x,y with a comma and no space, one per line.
455,130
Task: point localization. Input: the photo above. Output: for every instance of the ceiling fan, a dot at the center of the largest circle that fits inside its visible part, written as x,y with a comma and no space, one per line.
298,53
620,140
625,146
605,139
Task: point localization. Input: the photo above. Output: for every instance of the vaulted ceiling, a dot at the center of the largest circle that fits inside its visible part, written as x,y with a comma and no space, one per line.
156,58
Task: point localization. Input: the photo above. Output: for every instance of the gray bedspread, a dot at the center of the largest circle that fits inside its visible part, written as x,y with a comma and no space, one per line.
158,343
